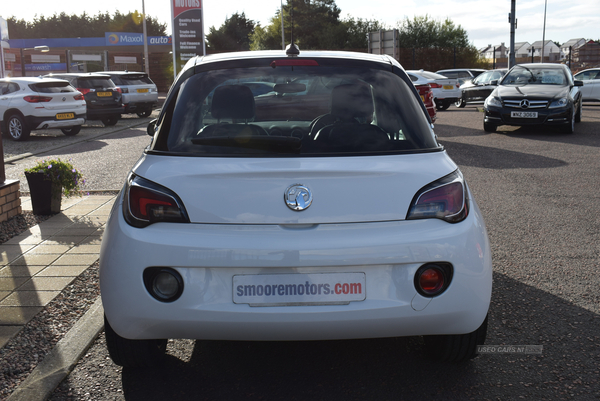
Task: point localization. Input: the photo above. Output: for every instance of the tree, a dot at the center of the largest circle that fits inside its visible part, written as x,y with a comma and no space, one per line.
434,45
233,35
66,26
350,33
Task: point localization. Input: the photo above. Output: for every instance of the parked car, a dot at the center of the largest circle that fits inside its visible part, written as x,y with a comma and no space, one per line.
427,97
140,94
591,84
33,103
535,94
462,74
446,91
479,88
350,224
102,96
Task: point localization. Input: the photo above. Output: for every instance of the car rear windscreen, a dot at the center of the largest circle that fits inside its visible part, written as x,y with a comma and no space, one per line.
52,87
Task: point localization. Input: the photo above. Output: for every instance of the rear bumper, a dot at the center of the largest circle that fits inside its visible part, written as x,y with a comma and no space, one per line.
97,114
51,122
209,256
137,107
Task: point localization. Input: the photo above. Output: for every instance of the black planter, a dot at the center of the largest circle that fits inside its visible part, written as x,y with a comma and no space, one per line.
45,194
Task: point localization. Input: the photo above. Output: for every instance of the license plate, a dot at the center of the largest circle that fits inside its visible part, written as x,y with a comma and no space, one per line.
65,116
448,86
142,90
524,114
104,94
299,289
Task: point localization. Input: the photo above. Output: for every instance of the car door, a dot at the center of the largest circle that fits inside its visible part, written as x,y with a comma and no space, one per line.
9,90
591,84
478,90
3,98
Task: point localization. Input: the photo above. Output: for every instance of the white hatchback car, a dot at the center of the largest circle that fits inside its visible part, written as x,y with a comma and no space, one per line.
33,103
446,91
323,210
140,94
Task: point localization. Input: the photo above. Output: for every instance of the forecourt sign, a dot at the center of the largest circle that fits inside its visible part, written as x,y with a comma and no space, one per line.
188,35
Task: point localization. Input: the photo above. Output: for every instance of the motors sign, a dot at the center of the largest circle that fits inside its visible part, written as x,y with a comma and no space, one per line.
188,34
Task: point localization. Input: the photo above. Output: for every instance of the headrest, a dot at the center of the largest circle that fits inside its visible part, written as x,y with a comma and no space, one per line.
232,101
352,101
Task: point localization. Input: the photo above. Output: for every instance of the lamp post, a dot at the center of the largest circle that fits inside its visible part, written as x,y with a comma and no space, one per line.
43,49
282,34
146,64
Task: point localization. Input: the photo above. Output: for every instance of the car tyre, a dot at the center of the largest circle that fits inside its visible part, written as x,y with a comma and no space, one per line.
145,113
71,131
578,114
460,103
456,348
570,127
110,121
134,353
487,127
442,105
17,128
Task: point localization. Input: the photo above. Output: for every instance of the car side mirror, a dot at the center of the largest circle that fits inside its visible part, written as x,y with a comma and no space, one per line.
578,83
494,82
151,129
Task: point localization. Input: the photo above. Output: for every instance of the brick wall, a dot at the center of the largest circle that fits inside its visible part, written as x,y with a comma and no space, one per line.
10,199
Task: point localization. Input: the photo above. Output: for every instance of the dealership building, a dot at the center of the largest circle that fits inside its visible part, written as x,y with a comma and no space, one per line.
116,51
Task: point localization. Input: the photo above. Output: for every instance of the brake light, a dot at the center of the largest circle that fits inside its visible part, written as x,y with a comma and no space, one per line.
293,62
118,89
443,199
147,202
435,85
37,99
79,97
84,91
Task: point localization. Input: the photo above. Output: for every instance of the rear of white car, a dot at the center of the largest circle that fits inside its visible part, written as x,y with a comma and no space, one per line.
325,210
446,91
35,103
140,94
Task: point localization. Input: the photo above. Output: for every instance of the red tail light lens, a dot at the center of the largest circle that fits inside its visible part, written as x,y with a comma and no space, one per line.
443,199
117,89
37,99
78,97
84,91
147,202
434,85
432,279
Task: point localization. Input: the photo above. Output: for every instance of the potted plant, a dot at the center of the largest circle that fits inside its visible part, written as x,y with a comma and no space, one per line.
50,179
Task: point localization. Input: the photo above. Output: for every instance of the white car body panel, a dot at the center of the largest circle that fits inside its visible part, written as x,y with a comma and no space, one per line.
209,254
223,190
439,93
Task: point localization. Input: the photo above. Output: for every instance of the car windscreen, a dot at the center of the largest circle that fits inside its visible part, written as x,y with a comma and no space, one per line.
132,79
95,83
314,110
520,75
52,87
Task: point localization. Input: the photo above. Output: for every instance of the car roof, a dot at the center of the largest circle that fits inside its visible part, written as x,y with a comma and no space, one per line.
247,55
542,65
32,80
124,73
80,75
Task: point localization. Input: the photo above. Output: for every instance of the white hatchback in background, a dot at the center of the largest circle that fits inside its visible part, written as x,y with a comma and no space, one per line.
446,91
323,210
33,103
591,84
140,94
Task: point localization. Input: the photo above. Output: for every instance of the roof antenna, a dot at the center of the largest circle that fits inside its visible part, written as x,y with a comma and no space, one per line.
292,49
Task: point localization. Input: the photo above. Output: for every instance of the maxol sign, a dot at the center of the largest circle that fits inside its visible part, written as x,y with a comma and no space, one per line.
123,38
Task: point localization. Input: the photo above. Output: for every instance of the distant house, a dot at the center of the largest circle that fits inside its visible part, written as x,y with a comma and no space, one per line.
569,46
500,50
551,50
587,55
521,49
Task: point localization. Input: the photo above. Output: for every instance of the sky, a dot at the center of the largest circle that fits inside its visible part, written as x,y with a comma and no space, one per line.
486,22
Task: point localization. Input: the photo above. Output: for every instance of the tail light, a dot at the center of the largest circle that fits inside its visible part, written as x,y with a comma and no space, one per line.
85,91
146,203
435,85
444,199
432,279
37,99
118,89
79,97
